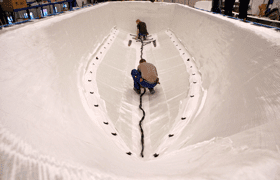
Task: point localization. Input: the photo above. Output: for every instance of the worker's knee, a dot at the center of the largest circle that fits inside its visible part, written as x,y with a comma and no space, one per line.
134,72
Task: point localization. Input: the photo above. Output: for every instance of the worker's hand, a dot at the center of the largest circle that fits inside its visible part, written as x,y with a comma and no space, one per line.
158,81
141,79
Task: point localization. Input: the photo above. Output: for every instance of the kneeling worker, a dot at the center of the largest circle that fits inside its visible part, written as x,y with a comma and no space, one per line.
146,76
141,29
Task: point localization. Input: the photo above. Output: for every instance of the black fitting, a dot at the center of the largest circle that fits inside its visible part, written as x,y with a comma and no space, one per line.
106,123
170,135
114,134
183,118
156,155
96,105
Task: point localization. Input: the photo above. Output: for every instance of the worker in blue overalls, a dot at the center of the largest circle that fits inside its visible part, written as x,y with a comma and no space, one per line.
145,76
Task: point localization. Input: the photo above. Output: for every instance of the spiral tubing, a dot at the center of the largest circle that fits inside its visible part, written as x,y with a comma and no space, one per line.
140,106
140,123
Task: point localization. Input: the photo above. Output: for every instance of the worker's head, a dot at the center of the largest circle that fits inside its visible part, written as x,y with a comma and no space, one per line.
137,21
141,61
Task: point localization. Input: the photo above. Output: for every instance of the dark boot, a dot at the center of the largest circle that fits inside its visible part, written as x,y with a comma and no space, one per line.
138,91
152,91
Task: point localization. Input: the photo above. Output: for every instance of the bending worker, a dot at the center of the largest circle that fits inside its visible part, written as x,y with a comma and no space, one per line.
145,76
141,29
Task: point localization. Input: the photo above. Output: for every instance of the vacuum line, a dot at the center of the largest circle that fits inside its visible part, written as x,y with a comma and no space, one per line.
140,106
140,123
